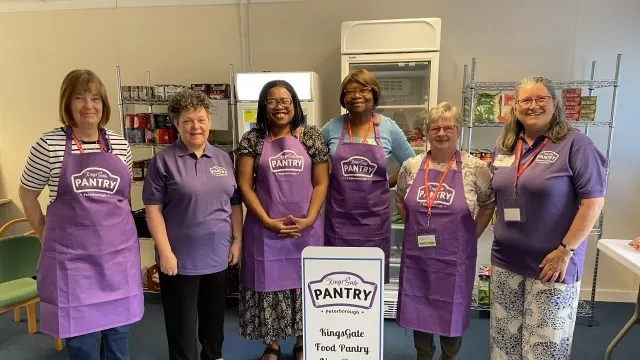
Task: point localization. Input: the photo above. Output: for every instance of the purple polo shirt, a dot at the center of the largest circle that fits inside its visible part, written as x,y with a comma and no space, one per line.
551,188
196,195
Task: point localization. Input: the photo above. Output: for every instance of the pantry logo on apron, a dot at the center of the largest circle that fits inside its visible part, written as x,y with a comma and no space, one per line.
95,180
342,288
287,162
358,167
443,199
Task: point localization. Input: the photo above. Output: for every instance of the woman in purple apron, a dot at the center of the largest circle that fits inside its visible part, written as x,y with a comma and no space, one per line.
89,279
194,213
361,143
282,172
446,200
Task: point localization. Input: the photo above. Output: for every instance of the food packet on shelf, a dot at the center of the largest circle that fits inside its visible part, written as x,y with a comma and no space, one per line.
507,100
487,108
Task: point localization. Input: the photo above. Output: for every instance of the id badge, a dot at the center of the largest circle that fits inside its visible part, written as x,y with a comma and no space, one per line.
514,209
427,238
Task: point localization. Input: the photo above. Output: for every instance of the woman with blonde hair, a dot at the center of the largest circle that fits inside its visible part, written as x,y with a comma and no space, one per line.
89,279
549,181
446,200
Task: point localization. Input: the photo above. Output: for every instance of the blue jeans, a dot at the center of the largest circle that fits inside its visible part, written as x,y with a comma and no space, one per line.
114,345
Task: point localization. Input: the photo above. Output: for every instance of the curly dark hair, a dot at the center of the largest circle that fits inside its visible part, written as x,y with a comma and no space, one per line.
261,117
186,100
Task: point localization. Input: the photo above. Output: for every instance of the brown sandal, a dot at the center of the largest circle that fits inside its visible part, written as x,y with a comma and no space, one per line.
271,351
296,350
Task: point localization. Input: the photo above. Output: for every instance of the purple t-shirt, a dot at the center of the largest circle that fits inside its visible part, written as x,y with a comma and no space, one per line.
550,190
196,195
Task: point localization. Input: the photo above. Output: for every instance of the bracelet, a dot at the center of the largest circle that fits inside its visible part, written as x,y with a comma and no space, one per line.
567,248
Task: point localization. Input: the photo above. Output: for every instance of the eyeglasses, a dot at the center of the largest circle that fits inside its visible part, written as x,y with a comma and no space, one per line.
540,101
271,103
362,91
449,129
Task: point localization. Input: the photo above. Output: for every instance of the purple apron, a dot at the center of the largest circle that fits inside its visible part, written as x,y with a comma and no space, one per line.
357,211
283,186
436,281
89,276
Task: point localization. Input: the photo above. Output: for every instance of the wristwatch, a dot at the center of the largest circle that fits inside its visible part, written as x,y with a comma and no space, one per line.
567,248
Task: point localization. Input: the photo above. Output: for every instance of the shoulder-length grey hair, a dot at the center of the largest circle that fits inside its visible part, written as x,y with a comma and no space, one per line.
513,127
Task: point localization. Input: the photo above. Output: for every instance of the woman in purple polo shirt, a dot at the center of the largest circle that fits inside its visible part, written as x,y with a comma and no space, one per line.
442,226
194,214
549,181
283,175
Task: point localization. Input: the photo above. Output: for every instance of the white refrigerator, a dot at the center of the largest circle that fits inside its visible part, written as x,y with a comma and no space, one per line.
404,56
248,86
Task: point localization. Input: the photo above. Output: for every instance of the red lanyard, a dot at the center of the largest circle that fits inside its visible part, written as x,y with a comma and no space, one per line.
520,170
79,144
364,139
430,200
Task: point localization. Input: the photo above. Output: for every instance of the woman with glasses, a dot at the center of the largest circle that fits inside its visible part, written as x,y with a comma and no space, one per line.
549,181
283,175
446,200
361,142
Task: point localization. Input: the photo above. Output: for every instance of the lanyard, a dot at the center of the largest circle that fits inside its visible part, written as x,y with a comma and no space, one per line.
430,200
520,170
79,144
364,139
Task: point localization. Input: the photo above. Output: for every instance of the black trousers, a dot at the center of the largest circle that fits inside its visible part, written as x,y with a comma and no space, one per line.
194,311
425,347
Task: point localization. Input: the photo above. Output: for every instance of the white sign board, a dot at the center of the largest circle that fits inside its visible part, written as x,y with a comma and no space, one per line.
342,306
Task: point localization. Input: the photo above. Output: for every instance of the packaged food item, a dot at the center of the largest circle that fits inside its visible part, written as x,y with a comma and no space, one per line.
137,168
484,276
572,110
171,90
158,92
487,108
585,107
125,91
588,115
135,136
129,120
589,100
134,93
149,136
572,101
487,156
139,121
219,91
572,92
203,88
572,117
507,100
165,136
144,93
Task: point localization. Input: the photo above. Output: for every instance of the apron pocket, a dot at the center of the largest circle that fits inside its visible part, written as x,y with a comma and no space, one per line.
94,283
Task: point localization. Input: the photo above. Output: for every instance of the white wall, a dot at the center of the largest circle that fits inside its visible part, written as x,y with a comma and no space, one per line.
510,40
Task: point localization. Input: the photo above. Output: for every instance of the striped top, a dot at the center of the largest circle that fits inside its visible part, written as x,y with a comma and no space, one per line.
45,159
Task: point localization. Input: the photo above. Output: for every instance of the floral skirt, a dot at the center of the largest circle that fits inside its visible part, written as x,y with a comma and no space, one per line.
270,316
